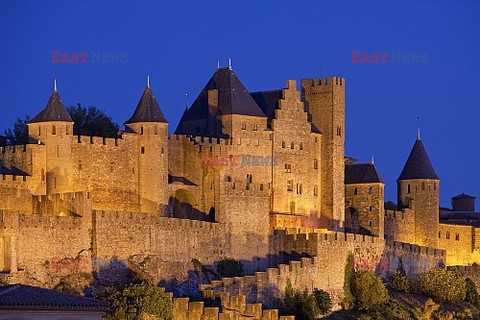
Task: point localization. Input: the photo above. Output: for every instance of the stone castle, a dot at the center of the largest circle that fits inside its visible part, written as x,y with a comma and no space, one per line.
163,201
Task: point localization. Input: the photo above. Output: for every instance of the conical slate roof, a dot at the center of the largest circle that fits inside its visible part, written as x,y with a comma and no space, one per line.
54,111
418,165
147,109
233,97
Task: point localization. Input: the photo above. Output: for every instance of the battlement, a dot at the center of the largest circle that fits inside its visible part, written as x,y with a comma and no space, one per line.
9,180
14,149
323,82
397,214
308,243
414,249
231,307
133,218
13,219
109,142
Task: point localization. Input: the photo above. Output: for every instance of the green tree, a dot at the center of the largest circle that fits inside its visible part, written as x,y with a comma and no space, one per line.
348,300
19,133
401,282
229,267
139,300
443,285
323,301
300,304
92,122
472,296
368,290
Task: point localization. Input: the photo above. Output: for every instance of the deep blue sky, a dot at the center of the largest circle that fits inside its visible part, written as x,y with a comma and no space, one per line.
179,44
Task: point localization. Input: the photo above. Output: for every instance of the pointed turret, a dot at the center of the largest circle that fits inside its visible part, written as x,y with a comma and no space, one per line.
418,165
54,111
418,189
147,109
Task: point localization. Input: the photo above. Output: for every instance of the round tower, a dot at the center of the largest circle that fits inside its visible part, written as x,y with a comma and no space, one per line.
151,129
418,189
53,127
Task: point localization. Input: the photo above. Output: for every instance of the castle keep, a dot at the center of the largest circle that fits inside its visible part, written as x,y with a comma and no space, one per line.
150,197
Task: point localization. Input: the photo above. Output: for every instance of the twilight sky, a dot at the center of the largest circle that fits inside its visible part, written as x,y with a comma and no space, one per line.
179,43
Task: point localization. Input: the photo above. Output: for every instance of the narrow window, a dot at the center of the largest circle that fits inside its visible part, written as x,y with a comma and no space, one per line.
439,234
292,145
228,179
283,144
54,130
369,223
142,150
162,150
288,168
67,130
244,126
270,137
39,131
255,127
249,178
423,186
80,165
370,208
289,185
155,131
447,235
261,187
355,191
141,130
315,191
370,190
316,139
315,164
301,145
434,186
457,237
408,189
43,175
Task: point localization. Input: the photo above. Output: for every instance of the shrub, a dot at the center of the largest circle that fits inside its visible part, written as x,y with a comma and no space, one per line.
348,300
229,267
139,300
426,313
323,301
401,282
472,293
443,285
368,290
300,304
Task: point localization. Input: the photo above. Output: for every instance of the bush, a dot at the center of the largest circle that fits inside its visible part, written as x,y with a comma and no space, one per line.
368,290
229,267
139,300
323,301
401,282
472,293
443,285
348,300
300,304
426,313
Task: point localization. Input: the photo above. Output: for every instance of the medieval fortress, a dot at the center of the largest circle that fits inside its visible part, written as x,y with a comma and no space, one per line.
163,201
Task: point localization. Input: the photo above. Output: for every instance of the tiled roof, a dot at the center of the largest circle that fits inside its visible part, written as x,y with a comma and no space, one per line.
23,297
54,111
233,97
418,165
147,109
361,173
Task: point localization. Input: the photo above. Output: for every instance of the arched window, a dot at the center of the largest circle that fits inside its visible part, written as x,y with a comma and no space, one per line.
355,191
141,130
370,190
408,189
292,145
54,130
